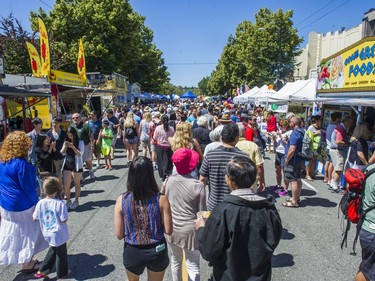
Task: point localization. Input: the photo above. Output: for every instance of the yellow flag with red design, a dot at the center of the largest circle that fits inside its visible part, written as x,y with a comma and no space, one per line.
44,48
81,62
36,67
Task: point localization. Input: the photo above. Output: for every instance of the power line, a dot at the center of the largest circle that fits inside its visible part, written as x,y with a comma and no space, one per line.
45,4
334,9
314,13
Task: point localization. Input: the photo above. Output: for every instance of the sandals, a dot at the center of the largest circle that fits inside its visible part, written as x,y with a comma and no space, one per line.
290,200
35,268
309,178
289,204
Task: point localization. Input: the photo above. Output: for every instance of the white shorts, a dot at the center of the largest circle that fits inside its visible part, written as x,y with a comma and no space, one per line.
87,153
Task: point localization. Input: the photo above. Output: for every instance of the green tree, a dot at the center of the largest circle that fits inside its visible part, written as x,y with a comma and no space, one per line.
258,53
115,39
203,86
13,38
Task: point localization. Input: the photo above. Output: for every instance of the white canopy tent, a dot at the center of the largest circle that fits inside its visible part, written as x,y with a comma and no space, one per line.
244,97
298,91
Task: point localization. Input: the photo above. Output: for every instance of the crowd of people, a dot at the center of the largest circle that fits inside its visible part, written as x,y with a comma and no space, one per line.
191,145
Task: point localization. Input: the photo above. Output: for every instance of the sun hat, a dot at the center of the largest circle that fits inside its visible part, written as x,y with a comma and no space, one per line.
185,160
147,108
225,118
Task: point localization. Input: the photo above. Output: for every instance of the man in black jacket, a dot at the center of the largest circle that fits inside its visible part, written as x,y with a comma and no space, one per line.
243,231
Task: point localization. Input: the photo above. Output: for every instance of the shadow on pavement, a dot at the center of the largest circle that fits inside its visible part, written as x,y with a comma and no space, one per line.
282,260
94,205
85,193
307,192
22,276
106,177
85,266
318,202
286,235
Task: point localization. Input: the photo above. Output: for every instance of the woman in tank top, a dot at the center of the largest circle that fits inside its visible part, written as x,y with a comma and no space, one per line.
142,216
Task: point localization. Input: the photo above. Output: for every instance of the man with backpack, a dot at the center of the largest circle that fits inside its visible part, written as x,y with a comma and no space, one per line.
293,162
366,270
339,150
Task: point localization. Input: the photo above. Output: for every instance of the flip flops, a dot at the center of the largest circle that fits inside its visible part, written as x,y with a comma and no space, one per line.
290,204
290,200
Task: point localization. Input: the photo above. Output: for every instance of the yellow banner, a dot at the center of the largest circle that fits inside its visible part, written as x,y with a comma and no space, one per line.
44,48
37,107
352,69
36,67
81,63
65,78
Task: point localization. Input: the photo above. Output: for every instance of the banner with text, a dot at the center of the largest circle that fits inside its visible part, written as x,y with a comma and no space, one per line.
65,78
352,69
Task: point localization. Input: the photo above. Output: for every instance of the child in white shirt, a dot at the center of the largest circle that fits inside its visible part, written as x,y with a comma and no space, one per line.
52,215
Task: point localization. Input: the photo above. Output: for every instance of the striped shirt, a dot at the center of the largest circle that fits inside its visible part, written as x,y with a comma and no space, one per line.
142,220
213,167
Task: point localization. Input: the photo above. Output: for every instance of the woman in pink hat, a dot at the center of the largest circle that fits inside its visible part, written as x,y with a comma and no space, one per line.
187,196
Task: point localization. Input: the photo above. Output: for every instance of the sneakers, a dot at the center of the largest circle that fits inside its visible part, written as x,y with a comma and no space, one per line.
68,204
74,205
92,176
283,192
277,188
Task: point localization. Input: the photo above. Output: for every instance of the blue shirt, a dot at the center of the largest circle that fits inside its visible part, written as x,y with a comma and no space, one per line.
295,139
95,128
17,185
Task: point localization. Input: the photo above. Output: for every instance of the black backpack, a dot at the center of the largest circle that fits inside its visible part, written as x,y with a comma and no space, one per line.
129,132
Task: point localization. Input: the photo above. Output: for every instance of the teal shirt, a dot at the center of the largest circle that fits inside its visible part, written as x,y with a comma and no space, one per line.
368,201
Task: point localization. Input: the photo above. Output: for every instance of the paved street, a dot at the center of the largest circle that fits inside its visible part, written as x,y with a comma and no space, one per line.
309,249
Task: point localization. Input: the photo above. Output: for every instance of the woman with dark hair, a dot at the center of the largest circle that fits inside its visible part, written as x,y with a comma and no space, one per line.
73,166
164,152
44,154
142,215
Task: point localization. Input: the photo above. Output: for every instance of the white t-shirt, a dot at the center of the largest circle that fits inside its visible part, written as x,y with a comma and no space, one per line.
281,141
51,213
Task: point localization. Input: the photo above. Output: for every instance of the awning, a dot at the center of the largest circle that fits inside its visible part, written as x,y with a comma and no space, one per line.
6,91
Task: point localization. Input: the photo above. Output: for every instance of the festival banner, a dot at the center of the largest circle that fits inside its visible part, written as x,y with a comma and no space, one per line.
65,78
36,67
81,63
44,48
352,69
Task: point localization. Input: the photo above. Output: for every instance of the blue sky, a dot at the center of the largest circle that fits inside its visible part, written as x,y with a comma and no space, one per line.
192,33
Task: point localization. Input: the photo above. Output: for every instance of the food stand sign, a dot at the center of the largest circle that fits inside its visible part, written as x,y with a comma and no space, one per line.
350,70
65,78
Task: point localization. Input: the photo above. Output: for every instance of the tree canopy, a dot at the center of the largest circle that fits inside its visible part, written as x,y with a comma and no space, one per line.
114,36
259,53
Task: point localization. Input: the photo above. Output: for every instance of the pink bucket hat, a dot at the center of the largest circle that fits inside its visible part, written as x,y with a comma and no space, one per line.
185,160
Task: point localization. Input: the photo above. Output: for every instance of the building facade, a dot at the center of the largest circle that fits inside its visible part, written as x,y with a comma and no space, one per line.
320,46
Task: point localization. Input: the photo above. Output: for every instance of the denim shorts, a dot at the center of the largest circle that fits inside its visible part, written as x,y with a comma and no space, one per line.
132,141
367,266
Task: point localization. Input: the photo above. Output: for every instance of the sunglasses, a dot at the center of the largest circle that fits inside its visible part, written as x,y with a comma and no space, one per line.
74,118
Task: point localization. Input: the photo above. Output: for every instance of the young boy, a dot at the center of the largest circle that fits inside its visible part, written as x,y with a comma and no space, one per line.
106,136
52,215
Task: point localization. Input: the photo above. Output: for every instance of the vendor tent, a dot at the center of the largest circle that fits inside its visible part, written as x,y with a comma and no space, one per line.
245,96
298,91
188,95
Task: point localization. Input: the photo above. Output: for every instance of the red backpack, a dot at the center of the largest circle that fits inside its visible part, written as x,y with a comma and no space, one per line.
351,202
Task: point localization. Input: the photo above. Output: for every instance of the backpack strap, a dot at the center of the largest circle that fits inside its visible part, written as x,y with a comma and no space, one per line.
367,173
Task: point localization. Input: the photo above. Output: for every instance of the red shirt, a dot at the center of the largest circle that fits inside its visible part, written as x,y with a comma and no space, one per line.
249,134
271,124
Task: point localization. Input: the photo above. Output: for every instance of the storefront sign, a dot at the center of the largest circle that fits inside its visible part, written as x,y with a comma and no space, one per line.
352,69
65,78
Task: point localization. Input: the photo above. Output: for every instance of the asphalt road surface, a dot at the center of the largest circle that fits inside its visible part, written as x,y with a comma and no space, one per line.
309,249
